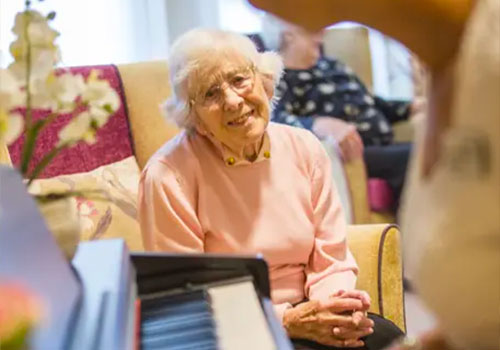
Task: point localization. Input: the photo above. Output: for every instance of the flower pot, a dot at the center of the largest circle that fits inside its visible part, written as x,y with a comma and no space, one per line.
62,218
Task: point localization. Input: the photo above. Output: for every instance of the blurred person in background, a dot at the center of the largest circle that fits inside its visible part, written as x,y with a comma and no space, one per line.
325,96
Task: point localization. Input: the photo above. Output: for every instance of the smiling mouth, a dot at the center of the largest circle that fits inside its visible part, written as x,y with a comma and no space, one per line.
241,120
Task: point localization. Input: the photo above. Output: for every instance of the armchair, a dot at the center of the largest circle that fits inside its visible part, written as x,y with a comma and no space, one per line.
144,86
376,247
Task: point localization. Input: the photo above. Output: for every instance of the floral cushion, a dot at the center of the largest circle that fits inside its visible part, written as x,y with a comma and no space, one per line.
113,217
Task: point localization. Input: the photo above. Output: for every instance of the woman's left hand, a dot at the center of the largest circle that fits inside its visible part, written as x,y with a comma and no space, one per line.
362,325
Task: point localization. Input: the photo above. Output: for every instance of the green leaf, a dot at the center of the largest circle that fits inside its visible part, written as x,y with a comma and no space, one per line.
29,145
107,108
44,162
93,125
51,15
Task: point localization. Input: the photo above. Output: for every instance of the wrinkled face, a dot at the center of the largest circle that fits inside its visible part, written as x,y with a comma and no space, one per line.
304,43
229,100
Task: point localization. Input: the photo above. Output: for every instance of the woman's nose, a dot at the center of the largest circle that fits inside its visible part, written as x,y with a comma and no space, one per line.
232,100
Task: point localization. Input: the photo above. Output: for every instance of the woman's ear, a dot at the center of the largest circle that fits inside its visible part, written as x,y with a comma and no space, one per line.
198,125
268,84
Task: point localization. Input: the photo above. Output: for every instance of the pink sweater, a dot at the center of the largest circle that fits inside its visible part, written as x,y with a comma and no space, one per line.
285,207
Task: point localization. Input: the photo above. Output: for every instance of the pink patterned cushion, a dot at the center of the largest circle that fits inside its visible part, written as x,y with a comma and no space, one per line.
380,195
113,140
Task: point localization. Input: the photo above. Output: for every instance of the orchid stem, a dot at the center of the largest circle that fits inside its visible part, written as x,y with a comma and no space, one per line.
31,133
44,162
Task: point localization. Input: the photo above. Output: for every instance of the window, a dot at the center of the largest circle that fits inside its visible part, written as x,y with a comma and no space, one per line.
95,31
239,16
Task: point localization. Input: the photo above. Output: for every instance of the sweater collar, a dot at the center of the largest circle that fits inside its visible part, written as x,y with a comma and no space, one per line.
231,159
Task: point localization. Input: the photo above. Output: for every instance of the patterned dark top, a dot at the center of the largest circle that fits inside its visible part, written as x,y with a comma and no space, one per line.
330,88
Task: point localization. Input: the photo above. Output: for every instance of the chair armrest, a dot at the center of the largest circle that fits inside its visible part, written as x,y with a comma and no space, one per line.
377,251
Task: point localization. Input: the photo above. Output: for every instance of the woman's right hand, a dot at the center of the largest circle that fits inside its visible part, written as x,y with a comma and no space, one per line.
316,321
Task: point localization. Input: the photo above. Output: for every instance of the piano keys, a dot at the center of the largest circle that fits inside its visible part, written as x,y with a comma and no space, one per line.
210,302
187,302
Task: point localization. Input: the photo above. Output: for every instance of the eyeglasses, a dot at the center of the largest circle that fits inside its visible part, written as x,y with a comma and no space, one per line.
240,81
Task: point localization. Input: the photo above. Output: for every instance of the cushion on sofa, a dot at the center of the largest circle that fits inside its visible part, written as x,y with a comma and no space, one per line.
113,217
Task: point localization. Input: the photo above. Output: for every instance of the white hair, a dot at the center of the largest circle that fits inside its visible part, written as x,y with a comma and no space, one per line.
187,55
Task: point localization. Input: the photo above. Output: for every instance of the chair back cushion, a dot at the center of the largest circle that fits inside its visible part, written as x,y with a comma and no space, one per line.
351,46
146,88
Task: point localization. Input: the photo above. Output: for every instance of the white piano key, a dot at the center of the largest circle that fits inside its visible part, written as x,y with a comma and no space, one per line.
239,319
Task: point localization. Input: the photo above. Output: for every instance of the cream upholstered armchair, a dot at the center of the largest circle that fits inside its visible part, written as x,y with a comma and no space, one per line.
376,247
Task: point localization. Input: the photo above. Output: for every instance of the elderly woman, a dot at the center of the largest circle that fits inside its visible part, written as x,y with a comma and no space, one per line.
232,182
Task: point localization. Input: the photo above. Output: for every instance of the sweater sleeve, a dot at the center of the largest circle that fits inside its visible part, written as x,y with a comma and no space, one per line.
166,209
331,265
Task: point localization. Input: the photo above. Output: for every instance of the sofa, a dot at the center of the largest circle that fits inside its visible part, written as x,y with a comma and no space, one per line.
124,146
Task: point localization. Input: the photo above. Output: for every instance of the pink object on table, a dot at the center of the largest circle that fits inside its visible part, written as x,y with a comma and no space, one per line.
380,195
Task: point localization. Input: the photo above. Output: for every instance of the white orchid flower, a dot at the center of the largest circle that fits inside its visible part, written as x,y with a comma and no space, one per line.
99,115
11,94
42,64
57,93
40,34
69,87
11,126
39,29
43,50
100,94
80,128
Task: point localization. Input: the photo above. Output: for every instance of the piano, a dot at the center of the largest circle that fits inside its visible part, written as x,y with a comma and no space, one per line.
108,298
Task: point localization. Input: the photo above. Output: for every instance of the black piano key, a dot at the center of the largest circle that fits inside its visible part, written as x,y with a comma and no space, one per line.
186,338
203,345
154,310
161,325
178,322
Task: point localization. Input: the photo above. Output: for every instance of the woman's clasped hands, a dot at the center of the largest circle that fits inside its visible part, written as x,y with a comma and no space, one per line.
340,321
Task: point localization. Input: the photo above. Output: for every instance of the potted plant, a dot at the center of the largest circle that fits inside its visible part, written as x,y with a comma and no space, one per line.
32,83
